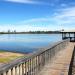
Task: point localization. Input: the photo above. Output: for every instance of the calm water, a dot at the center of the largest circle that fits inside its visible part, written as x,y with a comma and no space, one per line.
27,43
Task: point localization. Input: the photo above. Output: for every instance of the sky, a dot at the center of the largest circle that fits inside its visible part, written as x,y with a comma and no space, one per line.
34,15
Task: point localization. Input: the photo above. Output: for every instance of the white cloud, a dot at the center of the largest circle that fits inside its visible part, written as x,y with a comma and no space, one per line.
68,12
35,20
23,28
28,2
65,16
22,1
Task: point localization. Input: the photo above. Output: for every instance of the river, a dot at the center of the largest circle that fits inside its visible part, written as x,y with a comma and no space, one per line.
27,43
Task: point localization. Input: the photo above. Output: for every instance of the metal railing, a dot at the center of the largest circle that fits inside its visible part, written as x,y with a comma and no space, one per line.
34,63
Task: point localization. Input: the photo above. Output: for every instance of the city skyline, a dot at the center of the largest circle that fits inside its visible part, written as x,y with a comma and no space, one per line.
35,15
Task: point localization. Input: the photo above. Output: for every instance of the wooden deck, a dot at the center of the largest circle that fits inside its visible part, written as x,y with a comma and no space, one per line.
60,63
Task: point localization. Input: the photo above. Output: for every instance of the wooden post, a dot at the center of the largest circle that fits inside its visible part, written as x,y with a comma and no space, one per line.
38,62
74,36
25,69
9,72
1,74
69,34
22,68
30,67
65,35
17,70
62,36
13,70
35,64
4,73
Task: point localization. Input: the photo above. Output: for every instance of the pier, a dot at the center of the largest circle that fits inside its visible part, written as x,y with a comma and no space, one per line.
58,59
68,35
61,63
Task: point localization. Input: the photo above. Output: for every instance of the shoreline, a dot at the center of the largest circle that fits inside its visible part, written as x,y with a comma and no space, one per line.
37,32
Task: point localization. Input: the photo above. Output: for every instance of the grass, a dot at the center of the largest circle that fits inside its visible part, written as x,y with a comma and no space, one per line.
4,60
1,51
6,57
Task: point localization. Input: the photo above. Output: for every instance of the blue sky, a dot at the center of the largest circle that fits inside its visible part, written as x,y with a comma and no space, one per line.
33,15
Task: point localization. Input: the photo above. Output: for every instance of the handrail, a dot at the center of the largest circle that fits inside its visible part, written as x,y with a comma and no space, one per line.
33,63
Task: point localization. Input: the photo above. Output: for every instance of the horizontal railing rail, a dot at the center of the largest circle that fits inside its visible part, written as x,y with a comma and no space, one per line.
33,63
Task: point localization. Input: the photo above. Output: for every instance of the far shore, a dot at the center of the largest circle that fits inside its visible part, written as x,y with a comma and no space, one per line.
33,32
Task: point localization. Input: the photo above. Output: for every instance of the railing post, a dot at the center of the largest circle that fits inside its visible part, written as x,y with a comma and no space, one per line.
1,74
49,56
32,66
28,65
9,72
38,62
4,73
25,69
20,69
44,58
13,70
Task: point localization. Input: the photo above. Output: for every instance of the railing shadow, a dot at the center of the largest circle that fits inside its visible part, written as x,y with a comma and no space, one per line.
71,63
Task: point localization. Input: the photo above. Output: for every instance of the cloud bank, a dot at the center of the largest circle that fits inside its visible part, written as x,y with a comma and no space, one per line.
63,19
66,16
